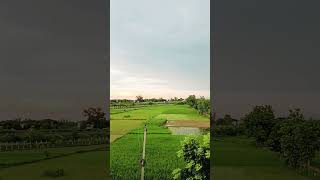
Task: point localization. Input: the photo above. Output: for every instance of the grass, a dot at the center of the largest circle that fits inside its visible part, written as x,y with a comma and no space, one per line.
21,157
161,148
149,112
121,127
84,166
123,121
239,157
161,156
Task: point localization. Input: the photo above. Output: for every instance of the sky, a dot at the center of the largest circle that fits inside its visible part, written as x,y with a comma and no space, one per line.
159,48
52,58
266,52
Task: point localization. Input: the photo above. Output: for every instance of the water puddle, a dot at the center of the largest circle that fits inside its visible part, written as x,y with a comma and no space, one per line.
185,130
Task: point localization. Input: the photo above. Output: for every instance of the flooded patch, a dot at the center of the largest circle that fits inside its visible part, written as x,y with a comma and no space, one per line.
185,130
187,123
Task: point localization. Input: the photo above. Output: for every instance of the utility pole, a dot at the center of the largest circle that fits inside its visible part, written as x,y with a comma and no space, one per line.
143,161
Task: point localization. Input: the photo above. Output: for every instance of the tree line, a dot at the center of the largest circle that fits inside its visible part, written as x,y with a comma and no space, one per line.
95,117
294,137
202,105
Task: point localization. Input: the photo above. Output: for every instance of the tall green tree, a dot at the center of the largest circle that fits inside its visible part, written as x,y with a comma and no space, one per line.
259,123
96,117
192,101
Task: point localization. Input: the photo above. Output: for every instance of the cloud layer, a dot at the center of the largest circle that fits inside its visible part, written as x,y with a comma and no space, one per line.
160,48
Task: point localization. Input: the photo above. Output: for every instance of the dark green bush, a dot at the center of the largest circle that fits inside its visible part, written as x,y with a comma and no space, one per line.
227,130
299,143
259,123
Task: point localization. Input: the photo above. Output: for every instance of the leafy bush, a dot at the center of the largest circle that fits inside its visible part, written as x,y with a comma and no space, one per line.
274,138
259,123
227,130
196,154
191,100
203,105
34,135
54,173
10,137
299,143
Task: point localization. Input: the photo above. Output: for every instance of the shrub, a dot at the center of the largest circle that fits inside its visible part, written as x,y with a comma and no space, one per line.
203,105
259,123
299,143
227,130
34,135
274,138
191,100
10,137
196,154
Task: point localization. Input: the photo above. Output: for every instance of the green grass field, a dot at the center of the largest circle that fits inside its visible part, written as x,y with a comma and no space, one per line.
82,166
161,148
78,163
123,121
12,158
239,157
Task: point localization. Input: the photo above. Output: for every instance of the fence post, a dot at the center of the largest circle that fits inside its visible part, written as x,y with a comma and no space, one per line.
143,161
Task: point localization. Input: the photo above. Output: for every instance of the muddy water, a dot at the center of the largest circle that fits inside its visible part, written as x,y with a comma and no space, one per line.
185,130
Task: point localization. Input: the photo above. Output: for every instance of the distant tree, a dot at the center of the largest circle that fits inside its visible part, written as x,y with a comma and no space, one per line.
139,98
192,101
226,120
295,115
96,117
34,135
259,123
203,105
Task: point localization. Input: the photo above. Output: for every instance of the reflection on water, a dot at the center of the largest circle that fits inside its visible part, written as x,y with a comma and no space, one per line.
185,130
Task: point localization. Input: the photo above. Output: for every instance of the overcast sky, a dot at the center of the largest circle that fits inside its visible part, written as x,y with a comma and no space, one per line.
266,52
52,57
160,48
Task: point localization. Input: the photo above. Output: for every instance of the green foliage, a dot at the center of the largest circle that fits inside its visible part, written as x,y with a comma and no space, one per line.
274,138
259,123
299,143
139,98
34,135
196,154
192,101
96,117
227,130
295,115
203,105
10,137
226,120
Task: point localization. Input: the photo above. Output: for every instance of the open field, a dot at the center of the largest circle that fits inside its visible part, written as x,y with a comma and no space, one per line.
12,158
79,162
239,157
123,121
161,147
79,166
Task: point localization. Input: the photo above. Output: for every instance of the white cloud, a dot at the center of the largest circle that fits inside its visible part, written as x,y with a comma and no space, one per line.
160,48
